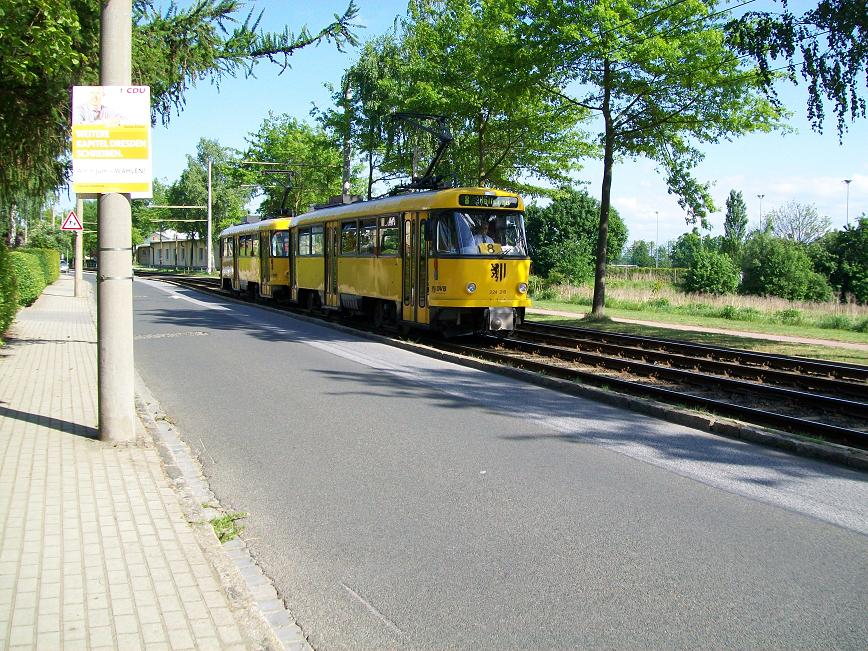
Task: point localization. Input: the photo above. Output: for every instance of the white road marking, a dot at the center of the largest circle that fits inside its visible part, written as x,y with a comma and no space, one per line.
388,622
173,293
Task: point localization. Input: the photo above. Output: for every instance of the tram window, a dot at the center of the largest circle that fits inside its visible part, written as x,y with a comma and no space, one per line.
389,237
461,232
349,238
367,236
280,244
316,239
304,241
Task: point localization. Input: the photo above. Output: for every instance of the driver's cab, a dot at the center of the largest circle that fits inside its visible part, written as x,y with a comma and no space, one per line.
466,232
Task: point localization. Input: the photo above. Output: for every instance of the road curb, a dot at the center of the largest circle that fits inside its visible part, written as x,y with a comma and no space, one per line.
251,592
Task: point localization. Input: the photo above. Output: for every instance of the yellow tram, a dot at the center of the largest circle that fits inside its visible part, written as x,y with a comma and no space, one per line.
452,260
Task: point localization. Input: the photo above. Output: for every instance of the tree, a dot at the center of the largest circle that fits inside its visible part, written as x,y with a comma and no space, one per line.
640,253
368,96
711,272
778,267
734,224
48,46
842,256
562,235
831,38
798,222
309,153
457,59
661,79
191,189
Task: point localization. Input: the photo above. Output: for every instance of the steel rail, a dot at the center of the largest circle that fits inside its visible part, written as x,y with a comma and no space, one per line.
832,433
782,362
837,405
821,383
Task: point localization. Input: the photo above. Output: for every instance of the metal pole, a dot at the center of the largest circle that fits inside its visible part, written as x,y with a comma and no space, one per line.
345,185
210,253
114,256
657,241
848,181
761,209
79,249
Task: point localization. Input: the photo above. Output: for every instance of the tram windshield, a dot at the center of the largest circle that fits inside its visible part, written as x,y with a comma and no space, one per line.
479,232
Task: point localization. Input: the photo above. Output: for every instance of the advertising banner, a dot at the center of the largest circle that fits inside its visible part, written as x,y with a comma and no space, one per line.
111,140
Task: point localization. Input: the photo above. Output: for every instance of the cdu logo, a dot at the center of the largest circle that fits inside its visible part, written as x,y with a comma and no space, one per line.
498,271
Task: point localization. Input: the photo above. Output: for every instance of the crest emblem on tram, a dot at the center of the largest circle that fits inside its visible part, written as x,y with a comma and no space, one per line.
498,271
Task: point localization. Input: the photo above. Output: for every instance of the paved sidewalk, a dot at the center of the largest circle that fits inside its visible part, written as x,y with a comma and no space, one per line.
97,550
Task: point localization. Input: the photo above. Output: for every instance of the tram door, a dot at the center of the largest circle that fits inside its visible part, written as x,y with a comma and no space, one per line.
265,265
414,268
332,246
236,281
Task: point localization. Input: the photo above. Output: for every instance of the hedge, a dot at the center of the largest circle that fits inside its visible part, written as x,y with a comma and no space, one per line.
29,276
8,289
49,261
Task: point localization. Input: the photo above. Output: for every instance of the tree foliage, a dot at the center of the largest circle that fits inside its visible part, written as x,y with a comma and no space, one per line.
711,272
842,256
832,40
798,222
310,155
662,81
640,253
734,224
48,46
458,59
562,236
777,267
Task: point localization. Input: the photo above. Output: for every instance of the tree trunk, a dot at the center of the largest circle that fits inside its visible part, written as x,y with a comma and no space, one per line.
599,302
10,238
370,174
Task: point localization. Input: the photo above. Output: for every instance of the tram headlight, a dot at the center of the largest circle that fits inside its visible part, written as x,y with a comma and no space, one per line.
471,287
522,288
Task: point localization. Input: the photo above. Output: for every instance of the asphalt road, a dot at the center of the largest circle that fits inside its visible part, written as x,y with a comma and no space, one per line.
403,502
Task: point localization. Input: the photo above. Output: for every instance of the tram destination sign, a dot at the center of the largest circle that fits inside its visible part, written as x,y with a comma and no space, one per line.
111,140
487,201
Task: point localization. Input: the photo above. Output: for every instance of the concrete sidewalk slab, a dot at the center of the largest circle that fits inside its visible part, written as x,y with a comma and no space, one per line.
96,551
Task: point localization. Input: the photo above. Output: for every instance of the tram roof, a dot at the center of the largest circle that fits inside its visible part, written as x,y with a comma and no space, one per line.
274,224
430,200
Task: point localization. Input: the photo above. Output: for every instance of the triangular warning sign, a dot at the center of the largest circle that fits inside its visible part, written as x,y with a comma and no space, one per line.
71,223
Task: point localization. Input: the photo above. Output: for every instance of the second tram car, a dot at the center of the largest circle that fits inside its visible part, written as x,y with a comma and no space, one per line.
452,260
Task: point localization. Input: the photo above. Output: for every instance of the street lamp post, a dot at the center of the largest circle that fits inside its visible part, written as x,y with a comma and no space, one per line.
761,209
848,181
657,241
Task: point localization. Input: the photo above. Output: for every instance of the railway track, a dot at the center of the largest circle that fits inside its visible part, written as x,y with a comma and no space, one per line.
803,396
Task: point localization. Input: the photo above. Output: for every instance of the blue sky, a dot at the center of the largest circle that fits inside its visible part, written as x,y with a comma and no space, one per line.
802,166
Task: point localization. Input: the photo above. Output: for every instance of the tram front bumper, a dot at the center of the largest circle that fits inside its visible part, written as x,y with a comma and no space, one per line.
500,318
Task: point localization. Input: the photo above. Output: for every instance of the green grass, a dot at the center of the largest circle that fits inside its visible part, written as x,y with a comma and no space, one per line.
730,339
226,526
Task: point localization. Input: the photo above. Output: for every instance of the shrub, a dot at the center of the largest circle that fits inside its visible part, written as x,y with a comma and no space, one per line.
659,304
29,277
729,312
49,262
861,326
777,267
835,322
789,316
818,288
8,289
711,273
